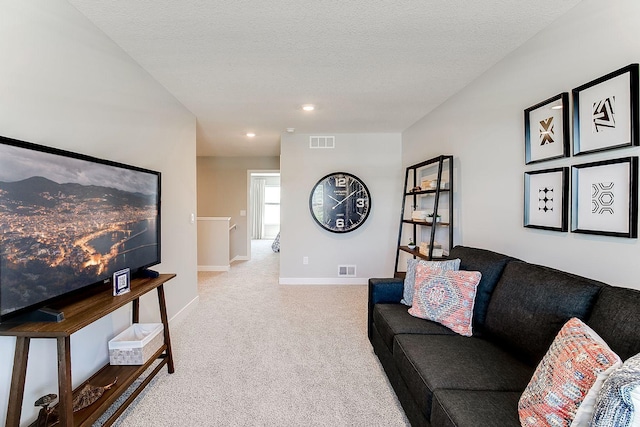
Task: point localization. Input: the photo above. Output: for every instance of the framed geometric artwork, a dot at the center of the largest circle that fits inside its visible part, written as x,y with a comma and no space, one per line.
546,199
605,198
605,112
546,129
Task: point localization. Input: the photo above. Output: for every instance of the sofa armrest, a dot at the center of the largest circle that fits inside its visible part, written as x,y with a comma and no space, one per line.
387,290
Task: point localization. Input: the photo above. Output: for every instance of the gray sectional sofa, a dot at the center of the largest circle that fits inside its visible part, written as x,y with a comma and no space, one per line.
443,379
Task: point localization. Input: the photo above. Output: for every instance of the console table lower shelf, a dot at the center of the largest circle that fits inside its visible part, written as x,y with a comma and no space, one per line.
81,314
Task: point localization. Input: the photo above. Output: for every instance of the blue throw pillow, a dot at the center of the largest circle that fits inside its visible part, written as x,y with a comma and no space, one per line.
619,399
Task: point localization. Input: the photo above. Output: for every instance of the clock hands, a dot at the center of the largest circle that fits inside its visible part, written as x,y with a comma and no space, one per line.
341,201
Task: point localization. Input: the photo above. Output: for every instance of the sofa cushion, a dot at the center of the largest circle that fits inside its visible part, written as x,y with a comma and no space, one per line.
615,317
490,265
531,303
471,408
446,297
410,278
432,362
577,360
393,319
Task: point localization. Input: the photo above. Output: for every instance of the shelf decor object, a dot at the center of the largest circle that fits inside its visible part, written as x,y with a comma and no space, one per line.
605,112
546,199
546,129
605,198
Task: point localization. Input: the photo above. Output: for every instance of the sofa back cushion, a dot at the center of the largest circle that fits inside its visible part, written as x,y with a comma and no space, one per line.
531,303
616,318
490,265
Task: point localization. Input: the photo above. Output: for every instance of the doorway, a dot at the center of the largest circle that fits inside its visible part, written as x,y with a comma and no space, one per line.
264,206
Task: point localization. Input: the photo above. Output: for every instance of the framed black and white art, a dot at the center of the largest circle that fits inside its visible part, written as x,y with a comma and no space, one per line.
605,198
605,112
546,129
546,199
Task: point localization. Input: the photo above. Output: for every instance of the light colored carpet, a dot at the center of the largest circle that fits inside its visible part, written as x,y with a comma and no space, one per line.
255,353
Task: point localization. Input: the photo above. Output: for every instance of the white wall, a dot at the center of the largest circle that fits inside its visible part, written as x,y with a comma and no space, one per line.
374,158
64,84
482,126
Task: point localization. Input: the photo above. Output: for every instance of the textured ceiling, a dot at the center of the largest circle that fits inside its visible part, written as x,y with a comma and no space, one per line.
368,65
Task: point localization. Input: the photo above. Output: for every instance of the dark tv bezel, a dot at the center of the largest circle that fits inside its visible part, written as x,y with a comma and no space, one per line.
98,285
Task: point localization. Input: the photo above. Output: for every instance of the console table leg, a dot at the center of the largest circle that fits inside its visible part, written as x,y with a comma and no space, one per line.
165,322
65,391
135,309
17,381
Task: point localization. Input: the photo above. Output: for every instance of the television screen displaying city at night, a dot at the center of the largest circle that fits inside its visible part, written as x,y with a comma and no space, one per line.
69,221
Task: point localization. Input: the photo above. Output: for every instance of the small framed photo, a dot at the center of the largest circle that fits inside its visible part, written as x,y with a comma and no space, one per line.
605,198
546,129
121,282
605,112
546,199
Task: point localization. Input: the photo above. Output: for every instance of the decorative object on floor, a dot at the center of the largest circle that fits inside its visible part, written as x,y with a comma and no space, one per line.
577,359
340,202
605,112
446,297
89,394
546,129
605,198
546,199
46,415
618,403
275,246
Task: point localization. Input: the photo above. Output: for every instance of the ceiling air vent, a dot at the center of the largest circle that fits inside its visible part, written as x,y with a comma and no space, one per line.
322,142
347,270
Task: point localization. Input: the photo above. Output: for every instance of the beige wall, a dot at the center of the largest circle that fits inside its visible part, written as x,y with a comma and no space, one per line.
483,127
64,84
223,191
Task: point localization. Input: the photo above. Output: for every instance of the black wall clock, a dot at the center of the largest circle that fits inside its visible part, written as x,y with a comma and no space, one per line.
340,202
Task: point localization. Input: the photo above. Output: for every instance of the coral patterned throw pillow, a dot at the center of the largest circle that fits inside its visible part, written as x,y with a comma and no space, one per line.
446,297
573,363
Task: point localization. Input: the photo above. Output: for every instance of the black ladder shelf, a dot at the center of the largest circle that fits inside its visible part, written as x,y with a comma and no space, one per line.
412,228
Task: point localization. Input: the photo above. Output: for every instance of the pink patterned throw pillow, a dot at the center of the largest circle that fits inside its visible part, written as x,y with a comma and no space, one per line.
565,375
446,297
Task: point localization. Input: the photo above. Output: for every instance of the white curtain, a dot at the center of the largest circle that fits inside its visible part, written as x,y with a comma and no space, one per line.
257,200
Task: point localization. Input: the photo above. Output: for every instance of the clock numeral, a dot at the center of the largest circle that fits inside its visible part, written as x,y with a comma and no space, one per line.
360,203
341,181
340,222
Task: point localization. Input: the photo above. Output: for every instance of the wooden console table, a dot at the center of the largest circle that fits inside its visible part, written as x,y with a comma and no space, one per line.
78,315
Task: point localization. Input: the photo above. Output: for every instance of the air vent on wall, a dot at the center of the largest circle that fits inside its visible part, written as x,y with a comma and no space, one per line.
322,142
347,270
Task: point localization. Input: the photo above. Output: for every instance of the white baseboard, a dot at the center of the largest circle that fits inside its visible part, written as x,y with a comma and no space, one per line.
240,258
186,310
213,268
323,281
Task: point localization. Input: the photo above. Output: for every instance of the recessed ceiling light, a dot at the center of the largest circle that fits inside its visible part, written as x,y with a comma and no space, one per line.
291,130
251,134
308,107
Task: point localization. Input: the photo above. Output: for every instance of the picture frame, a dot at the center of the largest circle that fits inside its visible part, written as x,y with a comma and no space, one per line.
605,198
546,199
546,129
121,282
605,112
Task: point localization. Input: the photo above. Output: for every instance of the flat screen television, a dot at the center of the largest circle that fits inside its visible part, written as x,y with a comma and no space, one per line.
68,222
